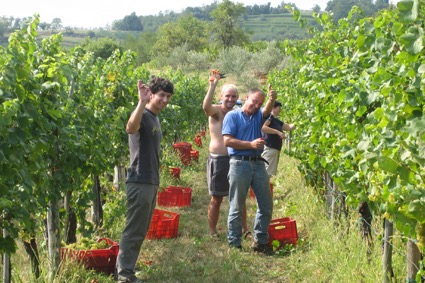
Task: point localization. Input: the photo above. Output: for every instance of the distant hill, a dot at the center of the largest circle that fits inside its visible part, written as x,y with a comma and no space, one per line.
265,23
263,27
275,27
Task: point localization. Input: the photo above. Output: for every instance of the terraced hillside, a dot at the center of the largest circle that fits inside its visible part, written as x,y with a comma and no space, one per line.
275,26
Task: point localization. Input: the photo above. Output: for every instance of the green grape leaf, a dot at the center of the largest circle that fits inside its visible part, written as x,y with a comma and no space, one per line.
408,10
413,40
417,209
388,164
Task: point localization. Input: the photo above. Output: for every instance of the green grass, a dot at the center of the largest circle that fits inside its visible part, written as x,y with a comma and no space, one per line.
326,252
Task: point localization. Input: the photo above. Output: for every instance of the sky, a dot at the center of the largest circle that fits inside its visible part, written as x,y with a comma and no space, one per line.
102,13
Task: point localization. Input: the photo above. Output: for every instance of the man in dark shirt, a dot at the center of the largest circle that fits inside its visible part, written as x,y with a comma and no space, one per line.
273,135
144,133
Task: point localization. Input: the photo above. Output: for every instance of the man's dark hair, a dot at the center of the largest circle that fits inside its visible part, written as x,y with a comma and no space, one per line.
277,104
157,84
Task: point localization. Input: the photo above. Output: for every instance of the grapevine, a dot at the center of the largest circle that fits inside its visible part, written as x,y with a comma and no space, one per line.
63,116
356,92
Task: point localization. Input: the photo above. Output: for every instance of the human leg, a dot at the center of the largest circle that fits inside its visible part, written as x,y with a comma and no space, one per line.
247,235
213,213
244,220
141,201
240,173
272,157
261,187
218,186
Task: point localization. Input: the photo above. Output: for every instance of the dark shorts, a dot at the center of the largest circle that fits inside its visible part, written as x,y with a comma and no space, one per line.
217,170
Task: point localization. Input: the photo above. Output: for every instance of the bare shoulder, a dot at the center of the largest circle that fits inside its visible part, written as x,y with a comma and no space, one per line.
218,113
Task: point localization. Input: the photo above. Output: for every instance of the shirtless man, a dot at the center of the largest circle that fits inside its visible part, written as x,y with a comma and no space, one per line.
218,160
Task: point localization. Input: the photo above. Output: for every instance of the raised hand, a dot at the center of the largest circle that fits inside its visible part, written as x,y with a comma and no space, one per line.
144,92
215,76
272,93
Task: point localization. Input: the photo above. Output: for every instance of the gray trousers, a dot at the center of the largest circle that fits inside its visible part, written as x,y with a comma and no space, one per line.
141,202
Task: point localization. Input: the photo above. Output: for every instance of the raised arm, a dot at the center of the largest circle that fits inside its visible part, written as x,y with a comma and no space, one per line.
207,104
133,123
272,94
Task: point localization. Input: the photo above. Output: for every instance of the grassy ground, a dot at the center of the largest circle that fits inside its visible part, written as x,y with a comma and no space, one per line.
325,252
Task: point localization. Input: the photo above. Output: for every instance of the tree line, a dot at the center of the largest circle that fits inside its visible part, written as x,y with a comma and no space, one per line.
339,8
151,23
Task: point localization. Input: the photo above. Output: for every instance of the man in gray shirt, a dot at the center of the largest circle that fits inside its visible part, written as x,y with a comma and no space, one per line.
144,133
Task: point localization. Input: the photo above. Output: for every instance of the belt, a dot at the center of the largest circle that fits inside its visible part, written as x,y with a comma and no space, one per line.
248,158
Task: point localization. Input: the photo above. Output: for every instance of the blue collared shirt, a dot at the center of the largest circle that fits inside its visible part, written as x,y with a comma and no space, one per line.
237,124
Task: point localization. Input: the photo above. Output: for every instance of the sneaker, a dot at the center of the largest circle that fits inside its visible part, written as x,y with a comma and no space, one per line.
133,279
263,248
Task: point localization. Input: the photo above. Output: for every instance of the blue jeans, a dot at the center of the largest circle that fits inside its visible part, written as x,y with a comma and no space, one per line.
242,175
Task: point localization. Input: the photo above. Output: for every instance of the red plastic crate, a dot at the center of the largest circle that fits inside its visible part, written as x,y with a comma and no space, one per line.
102,260
175,196
252,195
164,224
175,172
283,230
183,149
198,140
194,154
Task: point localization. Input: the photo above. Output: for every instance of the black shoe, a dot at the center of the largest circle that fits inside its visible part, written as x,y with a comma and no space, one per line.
235,247
263,248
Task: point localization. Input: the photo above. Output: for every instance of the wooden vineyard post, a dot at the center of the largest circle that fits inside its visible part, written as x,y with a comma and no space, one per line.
329,195
388,249
413,256
6,262
119,177
366,224
97,210
53,232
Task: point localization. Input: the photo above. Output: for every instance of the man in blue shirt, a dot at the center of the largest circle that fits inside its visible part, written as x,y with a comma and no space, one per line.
242,136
